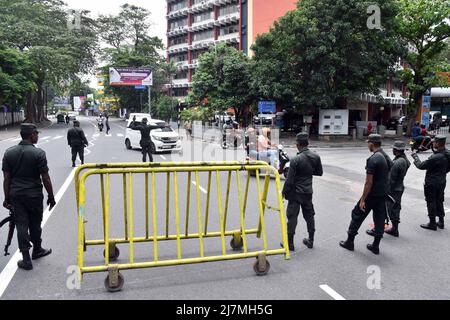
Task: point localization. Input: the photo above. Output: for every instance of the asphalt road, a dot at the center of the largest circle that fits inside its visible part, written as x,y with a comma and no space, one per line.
413,266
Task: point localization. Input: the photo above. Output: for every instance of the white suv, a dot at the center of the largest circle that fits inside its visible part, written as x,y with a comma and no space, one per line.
163,139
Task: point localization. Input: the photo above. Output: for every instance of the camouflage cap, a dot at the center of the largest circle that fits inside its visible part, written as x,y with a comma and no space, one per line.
28,128
399,145
440,138
302,137
375,138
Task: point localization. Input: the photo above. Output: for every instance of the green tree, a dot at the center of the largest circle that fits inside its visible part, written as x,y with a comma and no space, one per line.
56,52
424,25
130,46
324,53
16,77
166,108
222,80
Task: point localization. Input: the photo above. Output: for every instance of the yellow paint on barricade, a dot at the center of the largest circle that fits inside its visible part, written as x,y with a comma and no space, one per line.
239,238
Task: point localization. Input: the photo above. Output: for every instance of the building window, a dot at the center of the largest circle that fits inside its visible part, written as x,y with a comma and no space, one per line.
180,92
179,57
229,29
178,5
178,40
203,35
203,16
178,23
229,10
181,75
196,54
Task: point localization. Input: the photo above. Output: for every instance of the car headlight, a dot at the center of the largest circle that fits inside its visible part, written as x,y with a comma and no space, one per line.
157,138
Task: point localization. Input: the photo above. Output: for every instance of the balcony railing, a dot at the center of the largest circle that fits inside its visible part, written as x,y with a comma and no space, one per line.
230,38
183,47
203,43
228,19
178,31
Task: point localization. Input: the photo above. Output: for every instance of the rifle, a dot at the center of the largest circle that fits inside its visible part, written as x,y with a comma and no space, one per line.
12,226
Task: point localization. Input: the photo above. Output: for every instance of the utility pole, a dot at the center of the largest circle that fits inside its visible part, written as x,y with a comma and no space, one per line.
150,100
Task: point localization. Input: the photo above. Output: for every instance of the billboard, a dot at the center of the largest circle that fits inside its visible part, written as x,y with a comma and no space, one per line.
130,77
78,103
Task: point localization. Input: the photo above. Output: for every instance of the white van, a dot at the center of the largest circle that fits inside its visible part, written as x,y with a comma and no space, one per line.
163,139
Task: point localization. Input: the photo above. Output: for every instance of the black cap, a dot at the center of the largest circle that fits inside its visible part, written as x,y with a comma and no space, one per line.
28,128
440,138
302,137
399,145
374,138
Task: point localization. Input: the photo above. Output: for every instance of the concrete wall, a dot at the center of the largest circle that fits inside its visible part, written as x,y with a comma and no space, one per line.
6,118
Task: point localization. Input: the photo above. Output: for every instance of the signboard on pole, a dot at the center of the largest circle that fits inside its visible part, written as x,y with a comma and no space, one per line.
267,106
426,106
130,77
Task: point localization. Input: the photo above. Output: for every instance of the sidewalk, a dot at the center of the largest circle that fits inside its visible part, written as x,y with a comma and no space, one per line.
12,132
338,142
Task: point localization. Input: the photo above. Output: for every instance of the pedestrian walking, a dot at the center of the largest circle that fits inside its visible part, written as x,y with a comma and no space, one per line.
25,170
67,119
107,124
188,128
437,167
77,141
298,189
374,196
397,175
146,141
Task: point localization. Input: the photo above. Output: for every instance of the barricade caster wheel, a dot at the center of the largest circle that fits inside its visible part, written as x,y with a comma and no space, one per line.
113,255
261,266
235,245
114,287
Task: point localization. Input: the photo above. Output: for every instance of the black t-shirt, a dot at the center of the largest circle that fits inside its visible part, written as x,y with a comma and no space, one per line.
378,167
25,163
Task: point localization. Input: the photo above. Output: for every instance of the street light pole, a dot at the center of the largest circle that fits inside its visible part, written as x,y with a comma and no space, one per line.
150,100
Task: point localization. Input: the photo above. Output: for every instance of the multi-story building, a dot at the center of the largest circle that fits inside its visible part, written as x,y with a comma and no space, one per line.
193,26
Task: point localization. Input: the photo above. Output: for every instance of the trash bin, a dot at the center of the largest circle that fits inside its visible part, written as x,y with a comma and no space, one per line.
400,130
382,131
360,132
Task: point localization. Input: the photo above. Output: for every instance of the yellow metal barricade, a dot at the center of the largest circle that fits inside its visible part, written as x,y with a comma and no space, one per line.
239,238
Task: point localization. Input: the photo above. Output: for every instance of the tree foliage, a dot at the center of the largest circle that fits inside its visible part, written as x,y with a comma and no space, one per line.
424,25
222,80
323,53
129,45
40,29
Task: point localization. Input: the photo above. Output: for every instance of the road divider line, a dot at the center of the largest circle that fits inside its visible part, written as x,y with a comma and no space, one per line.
11,268
331,292
200,187
163,157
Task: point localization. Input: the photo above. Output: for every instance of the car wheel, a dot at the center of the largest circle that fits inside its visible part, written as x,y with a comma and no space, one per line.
128,144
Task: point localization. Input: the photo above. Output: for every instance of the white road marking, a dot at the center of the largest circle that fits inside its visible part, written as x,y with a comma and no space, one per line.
120,135
11,268
44,138
163,157
58,137
331,292
96,135
200,187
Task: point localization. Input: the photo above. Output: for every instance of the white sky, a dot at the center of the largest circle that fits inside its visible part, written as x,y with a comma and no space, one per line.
157,8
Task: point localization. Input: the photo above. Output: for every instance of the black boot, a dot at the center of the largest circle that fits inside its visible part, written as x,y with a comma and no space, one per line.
375,247
349,243
371,232
26,263
310,241
440,224
39,252
73,164
431,225
290,242
394,230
